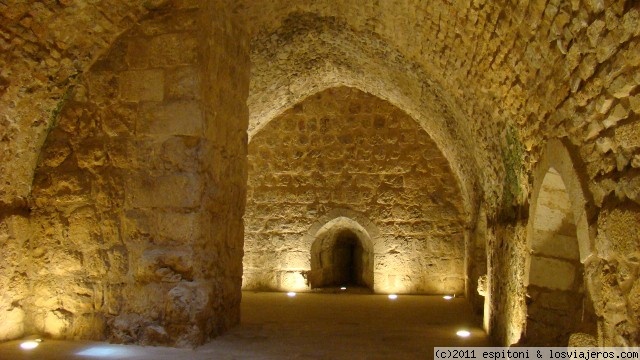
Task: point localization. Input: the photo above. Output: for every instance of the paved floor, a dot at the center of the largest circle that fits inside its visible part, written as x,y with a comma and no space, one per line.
308,326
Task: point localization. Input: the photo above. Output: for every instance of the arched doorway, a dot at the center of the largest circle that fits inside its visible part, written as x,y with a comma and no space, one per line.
557,300
341,255
339,261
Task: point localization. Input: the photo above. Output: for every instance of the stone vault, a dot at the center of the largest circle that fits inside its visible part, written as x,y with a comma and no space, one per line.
133,134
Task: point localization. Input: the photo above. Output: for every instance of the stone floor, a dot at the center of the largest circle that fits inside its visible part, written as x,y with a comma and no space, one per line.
307,326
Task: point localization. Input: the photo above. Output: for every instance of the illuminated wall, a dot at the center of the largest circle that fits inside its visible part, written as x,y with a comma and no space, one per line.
345,149
130,242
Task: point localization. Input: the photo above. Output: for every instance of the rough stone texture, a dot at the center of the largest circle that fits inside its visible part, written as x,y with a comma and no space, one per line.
136,231
45,46
488,81
343,148
492,82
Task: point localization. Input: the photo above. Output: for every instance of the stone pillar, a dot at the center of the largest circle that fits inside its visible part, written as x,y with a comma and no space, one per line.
140,191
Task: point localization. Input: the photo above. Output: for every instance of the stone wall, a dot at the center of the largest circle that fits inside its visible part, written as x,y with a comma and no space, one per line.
343,148
14,236
139,192
557,301
513,76
44,47
492,82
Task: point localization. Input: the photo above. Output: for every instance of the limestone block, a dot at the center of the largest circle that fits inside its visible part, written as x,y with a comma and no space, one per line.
173,118
61,262
185,302
82,230
605,144
57,322
91,155
145,299
618,231
103,86
628,135
178,227
551,273
622,86
117,119
70,187
182,83
178,190
12,323
607,47
630,186
633,299
125,328
155,335
142,85
618,113
57,153
178,21
118,260
293,281
482,285
88,326
594,31
165,265
551,244
166,50
180,153
634,102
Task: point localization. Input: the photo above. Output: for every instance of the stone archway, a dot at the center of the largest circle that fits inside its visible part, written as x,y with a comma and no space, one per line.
558,302
341,255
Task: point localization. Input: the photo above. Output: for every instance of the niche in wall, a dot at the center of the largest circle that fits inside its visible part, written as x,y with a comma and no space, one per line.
557,303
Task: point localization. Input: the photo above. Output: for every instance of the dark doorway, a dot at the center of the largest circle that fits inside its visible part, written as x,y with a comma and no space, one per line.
347,261
339,260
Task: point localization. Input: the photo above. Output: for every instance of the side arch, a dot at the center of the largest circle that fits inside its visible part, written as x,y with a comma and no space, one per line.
561,248
557,156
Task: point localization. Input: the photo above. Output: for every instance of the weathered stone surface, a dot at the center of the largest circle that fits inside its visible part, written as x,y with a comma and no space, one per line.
619,232
343,148
144,85
553,274
490,82
124,246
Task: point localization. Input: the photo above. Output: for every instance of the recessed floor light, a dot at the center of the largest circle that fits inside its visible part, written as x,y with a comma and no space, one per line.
343,288
463,333
393,296
291,294
447,297
30,344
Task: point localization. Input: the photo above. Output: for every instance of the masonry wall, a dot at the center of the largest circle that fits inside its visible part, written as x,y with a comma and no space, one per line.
343,148
138,196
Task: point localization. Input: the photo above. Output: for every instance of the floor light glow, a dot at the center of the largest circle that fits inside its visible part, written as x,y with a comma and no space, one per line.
343,288
447,297
105,351
393,296
291,294
30,344
463,333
